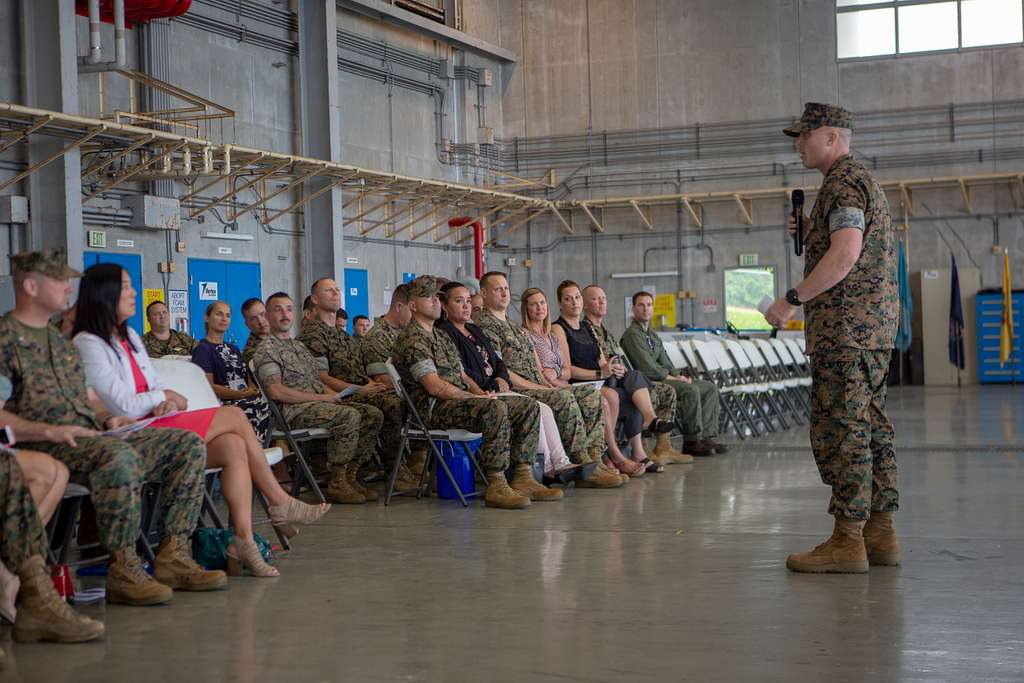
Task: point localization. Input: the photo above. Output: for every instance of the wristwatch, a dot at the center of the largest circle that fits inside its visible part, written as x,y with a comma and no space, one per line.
793,298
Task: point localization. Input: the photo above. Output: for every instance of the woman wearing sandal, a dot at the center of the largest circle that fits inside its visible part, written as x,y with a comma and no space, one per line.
488,373
628,392
118,368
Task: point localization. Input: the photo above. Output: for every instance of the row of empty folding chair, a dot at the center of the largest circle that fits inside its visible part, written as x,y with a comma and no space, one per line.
764,384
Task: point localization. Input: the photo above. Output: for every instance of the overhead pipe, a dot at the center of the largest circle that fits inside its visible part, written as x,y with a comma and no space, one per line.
92,63
478,240
95,47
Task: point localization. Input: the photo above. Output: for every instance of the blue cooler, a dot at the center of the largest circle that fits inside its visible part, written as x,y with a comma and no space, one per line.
458,462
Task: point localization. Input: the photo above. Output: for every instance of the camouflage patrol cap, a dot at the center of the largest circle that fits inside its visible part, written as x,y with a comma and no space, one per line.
423,286
817,115
50,262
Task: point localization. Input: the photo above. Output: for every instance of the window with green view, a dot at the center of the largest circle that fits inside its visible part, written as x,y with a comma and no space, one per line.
744,289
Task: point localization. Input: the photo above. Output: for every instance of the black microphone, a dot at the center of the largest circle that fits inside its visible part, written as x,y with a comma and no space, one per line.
798,214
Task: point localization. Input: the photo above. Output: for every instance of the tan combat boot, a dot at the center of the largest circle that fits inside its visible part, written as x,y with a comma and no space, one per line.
668,455
352,474
406,480
417,459
523,482
175,567
880,540
339,490
842,553
500,495
601,477
43,614
129,584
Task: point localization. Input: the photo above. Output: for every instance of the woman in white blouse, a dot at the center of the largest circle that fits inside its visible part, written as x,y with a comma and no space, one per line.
118,368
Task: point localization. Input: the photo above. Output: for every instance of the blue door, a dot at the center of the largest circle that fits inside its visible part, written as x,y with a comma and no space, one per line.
357,294
133,264
212,280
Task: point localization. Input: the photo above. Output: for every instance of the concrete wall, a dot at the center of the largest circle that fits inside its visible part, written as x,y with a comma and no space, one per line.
607,65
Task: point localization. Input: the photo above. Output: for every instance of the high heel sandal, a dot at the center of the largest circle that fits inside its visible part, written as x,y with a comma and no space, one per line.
570,474
242,554
285,516
638,470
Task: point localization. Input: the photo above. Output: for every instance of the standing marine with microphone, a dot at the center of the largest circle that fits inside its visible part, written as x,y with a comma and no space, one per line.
851,306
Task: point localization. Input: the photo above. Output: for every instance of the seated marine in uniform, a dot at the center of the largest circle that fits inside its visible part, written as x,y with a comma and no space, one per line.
161,340
697,403
52,411
292,376
345,368
432,372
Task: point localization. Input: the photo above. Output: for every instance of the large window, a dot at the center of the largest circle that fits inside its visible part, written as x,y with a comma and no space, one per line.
869,28
744,290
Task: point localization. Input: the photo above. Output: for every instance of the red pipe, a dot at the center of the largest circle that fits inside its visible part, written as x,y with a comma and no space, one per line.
478,241
478,248
136,11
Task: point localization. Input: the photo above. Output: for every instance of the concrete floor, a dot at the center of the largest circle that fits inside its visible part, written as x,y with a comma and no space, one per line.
678,576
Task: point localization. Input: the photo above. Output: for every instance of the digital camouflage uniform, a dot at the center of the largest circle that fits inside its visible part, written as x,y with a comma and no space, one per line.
48,386
851,330
697,402
178,344
251,344
509,424
345,362
21,535
377,346
353,426
663,397
577,409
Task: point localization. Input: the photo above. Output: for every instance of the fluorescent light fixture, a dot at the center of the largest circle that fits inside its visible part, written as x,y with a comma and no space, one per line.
234,236
658,273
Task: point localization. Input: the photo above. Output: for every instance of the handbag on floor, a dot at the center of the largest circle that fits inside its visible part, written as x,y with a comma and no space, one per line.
210,547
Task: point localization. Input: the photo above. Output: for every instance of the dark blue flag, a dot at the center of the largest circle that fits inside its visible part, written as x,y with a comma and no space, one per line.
956,320
904,335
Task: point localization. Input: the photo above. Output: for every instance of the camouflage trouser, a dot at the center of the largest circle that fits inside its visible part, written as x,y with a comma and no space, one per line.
393,416
851,435
663,399
350,440
588,398
21,535
697,408
509,424
114,471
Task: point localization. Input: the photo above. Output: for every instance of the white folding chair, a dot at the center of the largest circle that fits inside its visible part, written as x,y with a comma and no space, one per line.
762,374
793,375
777,371
754,393
415,429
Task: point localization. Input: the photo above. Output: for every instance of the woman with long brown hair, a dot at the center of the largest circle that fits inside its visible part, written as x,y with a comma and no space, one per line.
627,391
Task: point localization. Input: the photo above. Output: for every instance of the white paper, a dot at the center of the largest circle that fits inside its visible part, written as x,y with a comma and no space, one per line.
136,426
347,391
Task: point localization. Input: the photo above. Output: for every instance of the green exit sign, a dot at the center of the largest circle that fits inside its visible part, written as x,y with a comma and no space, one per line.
97,239
748,259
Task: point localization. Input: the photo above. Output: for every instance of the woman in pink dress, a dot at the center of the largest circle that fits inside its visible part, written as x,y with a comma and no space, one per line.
118,368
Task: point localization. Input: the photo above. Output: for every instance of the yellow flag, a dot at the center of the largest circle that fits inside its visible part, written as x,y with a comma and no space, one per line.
1006,329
